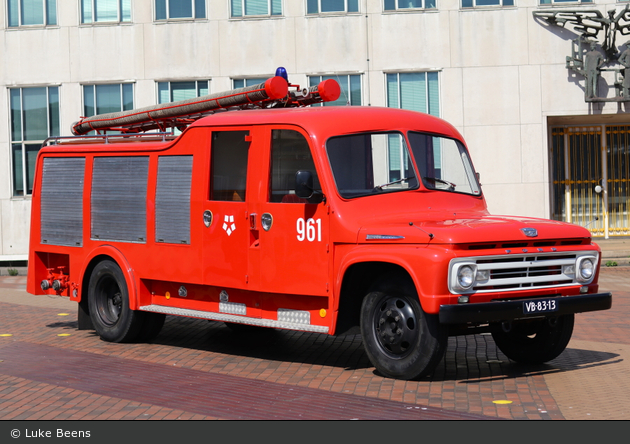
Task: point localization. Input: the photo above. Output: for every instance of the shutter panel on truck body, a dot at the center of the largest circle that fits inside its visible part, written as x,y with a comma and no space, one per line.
61,201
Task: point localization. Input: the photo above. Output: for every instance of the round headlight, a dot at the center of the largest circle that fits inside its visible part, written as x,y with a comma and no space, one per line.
586,269
465,276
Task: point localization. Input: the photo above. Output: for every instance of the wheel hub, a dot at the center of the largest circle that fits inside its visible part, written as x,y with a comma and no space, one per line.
396,326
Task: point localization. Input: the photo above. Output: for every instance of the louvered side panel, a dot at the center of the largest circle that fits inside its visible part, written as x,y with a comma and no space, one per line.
119,198
62,201
172,199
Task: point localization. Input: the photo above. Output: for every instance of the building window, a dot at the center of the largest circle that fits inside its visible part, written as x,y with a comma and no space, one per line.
484,3
350,88
32,12
549,2
320,6
241,83
95,11
180,9
400,5
246,8
417,91
34,118
103,99
175,91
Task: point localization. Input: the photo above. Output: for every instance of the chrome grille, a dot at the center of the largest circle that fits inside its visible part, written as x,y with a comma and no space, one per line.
520,272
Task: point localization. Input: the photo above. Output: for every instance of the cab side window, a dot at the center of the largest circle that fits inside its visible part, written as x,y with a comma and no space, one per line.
290,153
229,156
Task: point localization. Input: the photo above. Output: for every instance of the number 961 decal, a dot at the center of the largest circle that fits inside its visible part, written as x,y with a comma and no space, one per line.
309,230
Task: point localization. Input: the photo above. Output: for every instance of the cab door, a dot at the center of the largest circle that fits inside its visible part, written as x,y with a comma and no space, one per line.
289,236
226,233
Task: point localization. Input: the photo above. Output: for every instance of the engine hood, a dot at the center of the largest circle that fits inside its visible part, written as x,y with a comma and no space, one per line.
462,229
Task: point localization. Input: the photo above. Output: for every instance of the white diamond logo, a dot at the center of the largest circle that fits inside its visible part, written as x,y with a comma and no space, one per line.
228,224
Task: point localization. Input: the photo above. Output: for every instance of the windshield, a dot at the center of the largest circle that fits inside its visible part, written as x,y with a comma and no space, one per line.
443,164
374,163
371,163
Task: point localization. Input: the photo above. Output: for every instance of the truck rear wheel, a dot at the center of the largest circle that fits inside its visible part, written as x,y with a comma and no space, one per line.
400,339
108,299
534,341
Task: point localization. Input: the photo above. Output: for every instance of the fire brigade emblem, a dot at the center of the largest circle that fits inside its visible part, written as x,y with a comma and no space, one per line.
228,224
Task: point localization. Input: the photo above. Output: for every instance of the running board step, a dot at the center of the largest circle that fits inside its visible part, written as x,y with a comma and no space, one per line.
235,319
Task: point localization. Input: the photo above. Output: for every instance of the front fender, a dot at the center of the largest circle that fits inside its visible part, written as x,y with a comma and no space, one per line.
426,265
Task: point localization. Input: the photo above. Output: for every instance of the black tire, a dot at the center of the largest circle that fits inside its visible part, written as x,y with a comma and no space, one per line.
534,341
400,339
108,300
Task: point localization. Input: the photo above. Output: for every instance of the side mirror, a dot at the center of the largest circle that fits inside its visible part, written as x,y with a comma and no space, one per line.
304,184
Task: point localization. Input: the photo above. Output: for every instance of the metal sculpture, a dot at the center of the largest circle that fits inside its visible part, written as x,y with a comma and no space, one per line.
586,59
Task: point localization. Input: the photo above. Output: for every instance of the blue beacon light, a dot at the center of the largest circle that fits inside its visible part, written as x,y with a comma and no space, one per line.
282,72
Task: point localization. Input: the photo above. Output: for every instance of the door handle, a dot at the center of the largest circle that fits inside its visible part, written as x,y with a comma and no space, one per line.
252,221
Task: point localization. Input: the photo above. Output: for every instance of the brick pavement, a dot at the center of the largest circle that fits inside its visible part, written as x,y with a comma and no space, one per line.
303,373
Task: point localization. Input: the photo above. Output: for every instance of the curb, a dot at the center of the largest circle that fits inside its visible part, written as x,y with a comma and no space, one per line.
22,271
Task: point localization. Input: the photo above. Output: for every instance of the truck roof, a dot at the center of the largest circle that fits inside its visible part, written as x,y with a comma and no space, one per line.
323,121
333,120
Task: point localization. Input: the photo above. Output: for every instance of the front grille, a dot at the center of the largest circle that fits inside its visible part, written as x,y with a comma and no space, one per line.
513,273
521,272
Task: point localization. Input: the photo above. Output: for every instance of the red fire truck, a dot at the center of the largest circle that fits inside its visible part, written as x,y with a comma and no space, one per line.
317,219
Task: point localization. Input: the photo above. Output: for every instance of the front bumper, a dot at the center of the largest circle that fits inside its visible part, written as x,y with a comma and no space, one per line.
498,311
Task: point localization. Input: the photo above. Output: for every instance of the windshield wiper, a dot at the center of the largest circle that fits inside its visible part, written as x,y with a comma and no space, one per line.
451,185
380,187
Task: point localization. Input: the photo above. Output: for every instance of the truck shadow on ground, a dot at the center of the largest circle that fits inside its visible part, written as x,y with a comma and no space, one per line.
468,359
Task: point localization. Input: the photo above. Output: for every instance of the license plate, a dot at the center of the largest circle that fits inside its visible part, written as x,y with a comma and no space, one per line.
540,306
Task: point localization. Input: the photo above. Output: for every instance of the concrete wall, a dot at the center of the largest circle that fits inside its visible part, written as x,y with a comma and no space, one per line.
502,74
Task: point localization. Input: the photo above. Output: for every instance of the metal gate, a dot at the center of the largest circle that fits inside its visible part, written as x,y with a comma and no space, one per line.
591,177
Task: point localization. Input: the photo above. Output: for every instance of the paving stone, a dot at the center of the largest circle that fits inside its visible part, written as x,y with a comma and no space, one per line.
195,365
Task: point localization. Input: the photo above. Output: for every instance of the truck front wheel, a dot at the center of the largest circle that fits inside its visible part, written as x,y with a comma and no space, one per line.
400,339
108,300
534,341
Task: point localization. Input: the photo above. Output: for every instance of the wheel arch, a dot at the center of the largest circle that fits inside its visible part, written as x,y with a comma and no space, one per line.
108,252
358,279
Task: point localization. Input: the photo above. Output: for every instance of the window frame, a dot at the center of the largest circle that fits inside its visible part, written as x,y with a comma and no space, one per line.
122,95
269,14
277,166
396,8
246,80
24,141
221,193
193,4
499,4
337,77
567,2
170,90
427,90
120,15
47,5
320,12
